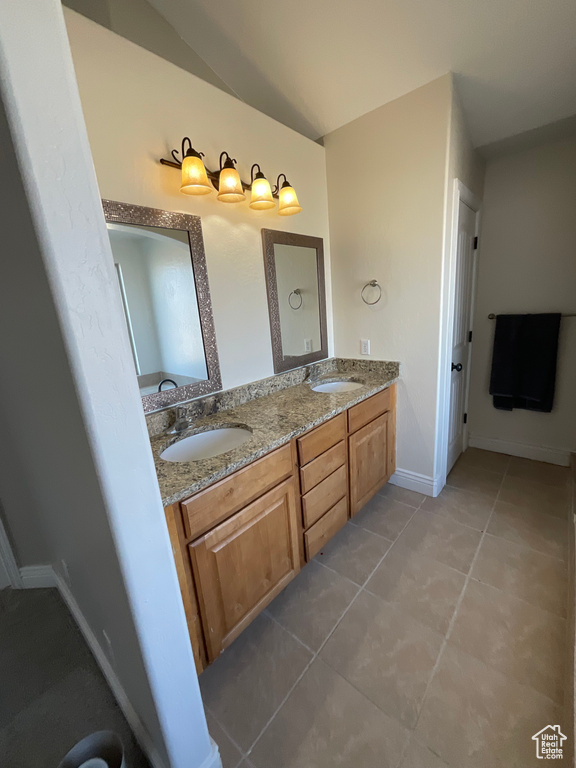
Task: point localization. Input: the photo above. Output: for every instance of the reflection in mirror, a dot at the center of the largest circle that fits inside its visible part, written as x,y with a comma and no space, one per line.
297,281
156,280
296,298
160,266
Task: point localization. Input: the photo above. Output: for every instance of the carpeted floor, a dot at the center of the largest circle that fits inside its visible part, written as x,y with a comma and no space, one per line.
52,692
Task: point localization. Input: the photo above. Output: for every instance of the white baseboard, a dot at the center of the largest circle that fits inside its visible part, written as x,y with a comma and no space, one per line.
37,576
414,481
8,562
535,452
116,687
213,760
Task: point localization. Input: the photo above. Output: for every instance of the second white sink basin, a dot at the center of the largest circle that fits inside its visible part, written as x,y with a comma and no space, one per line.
206,444
337,386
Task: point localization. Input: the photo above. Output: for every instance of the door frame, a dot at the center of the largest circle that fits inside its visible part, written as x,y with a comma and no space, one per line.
460,193
7,559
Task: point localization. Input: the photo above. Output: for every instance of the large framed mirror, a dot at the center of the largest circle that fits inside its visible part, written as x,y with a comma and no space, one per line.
296,298
161,270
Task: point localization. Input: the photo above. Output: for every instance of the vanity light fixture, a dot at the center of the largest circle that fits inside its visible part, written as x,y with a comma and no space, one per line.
229,185
194,178
288,203
261,193
199,180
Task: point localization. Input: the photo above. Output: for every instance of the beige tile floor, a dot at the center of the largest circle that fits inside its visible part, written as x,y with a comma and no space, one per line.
430,633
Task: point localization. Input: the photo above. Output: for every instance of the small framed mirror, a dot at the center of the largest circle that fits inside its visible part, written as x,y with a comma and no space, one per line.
296,298
161,270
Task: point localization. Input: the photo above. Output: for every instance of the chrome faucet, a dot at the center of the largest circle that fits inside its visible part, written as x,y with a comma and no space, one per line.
181,422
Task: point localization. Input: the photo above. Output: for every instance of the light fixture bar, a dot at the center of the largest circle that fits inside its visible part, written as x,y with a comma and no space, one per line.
214,176
199,180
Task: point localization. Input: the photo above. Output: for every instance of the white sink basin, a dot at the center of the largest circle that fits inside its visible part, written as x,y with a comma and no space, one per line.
207,444
337,386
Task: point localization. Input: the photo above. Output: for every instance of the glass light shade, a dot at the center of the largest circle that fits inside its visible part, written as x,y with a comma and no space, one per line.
194,178
288,204
230,188
261,195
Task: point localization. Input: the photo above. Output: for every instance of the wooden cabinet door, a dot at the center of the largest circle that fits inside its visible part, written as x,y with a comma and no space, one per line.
243,563
369,452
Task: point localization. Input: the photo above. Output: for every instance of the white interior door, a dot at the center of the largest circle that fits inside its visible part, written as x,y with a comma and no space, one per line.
461,341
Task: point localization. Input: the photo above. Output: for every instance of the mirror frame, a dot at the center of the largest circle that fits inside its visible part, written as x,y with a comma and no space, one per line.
125,213
270,238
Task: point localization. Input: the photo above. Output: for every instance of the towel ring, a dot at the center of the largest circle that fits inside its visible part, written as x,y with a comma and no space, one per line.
371,284
296,292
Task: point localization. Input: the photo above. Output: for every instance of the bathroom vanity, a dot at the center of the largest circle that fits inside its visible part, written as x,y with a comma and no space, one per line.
255,481
239,541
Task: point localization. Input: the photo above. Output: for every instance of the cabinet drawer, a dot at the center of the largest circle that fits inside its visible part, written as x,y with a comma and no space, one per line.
321,498
370,409
207,508
321,439
314,472
325,528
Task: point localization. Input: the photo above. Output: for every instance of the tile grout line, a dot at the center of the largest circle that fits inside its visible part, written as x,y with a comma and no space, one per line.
523,545
515,597
314,654
506,474
337,624
457,607
232,740
362,587
292,635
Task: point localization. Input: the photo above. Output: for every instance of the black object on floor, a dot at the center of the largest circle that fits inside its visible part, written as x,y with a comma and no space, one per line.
524,361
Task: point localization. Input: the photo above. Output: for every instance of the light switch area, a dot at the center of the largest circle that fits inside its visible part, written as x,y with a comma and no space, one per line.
307,345
364,346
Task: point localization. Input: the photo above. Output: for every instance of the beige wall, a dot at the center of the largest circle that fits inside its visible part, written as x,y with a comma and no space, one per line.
137,108
465,163
386,186
527,264
390,181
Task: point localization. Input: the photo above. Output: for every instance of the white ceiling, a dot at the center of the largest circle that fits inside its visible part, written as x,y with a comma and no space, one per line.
318,64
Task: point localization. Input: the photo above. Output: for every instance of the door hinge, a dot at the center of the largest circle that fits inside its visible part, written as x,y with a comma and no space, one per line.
469,336
476,243
465,418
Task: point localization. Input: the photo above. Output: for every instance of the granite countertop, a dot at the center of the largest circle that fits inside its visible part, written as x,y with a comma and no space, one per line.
274,420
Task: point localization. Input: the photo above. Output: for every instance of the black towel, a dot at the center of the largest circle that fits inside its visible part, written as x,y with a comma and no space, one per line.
524,361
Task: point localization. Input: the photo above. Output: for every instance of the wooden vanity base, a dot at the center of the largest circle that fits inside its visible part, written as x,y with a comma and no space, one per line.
238,543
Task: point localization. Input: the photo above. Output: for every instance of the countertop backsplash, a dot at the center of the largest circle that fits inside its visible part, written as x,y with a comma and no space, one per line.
159,421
